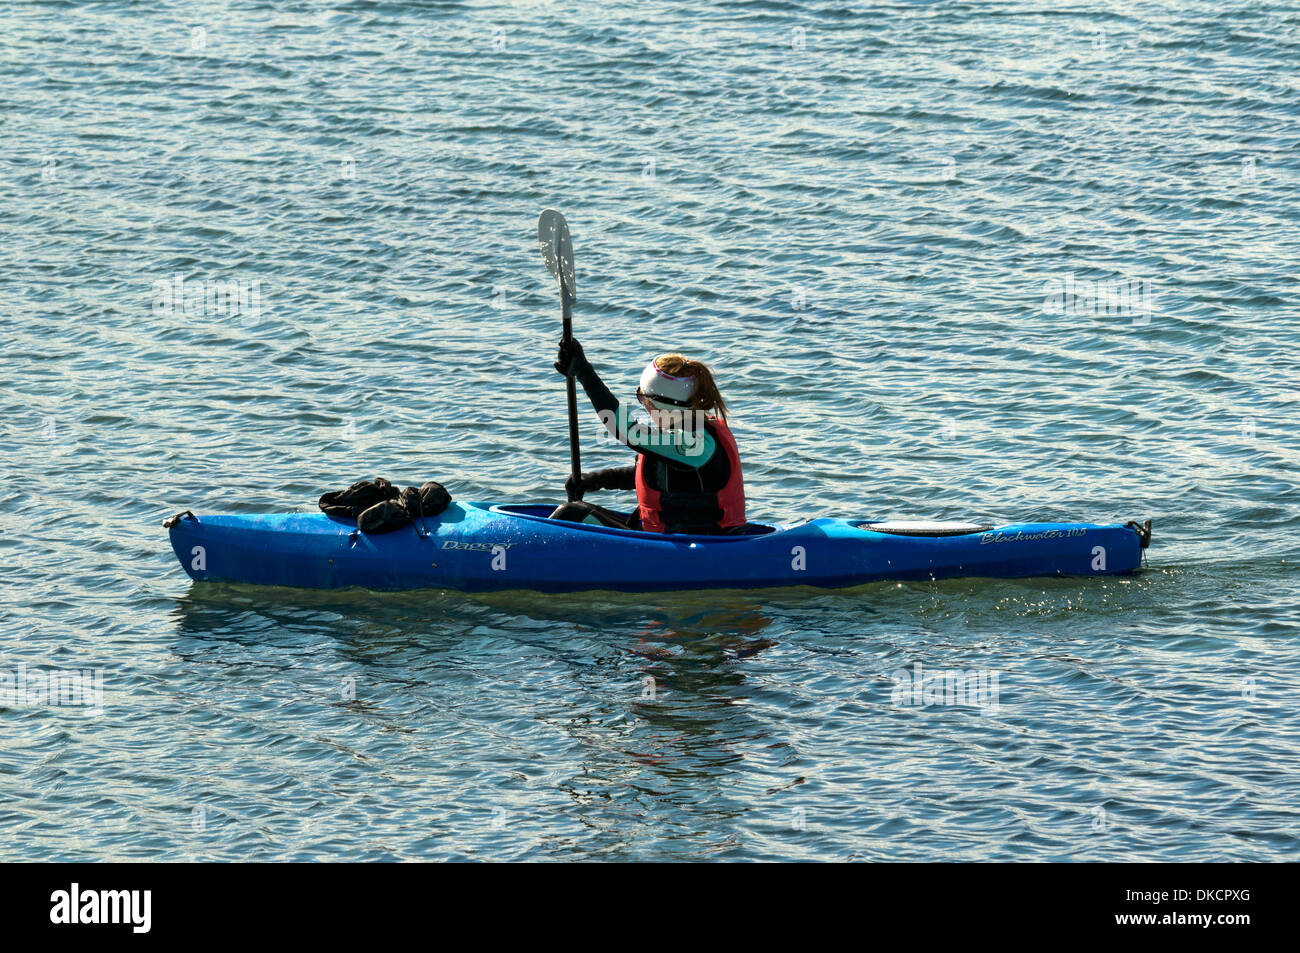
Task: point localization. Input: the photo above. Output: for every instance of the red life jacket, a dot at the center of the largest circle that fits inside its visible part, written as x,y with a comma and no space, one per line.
673,505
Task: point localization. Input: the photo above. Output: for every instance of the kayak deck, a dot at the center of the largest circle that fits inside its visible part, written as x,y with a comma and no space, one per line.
479,547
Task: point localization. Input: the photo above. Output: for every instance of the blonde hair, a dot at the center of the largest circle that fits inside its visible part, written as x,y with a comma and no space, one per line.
706,396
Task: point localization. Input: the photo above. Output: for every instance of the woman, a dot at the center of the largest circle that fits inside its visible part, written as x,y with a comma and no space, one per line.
687,475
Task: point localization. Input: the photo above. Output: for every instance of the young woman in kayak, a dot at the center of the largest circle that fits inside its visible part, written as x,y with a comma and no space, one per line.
687,475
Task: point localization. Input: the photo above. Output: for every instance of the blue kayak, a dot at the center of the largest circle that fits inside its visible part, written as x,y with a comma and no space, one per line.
479,547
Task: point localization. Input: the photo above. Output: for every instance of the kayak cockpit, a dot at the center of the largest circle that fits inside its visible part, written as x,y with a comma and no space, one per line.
542,511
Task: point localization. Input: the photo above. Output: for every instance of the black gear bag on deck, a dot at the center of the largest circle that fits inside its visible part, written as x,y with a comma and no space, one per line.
379,507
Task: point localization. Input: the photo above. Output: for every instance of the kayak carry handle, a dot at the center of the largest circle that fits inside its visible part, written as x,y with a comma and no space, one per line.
171,521
1143,531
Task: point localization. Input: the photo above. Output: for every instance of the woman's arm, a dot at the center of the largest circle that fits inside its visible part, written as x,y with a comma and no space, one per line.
690,449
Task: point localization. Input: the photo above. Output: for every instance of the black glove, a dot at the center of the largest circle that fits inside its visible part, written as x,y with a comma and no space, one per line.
570,361
573,489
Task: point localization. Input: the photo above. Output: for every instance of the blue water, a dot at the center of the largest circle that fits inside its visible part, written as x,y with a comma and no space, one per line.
857,214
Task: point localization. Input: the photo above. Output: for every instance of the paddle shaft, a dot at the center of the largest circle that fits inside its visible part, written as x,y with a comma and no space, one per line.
575,456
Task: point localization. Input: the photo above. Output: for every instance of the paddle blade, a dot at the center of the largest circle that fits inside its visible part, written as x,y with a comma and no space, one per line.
557,248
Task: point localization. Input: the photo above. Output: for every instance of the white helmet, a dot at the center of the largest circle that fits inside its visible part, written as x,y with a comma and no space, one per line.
665,391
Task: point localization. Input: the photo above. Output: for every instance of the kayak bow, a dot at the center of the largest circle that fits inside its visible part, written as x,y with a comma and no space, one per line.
477,547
